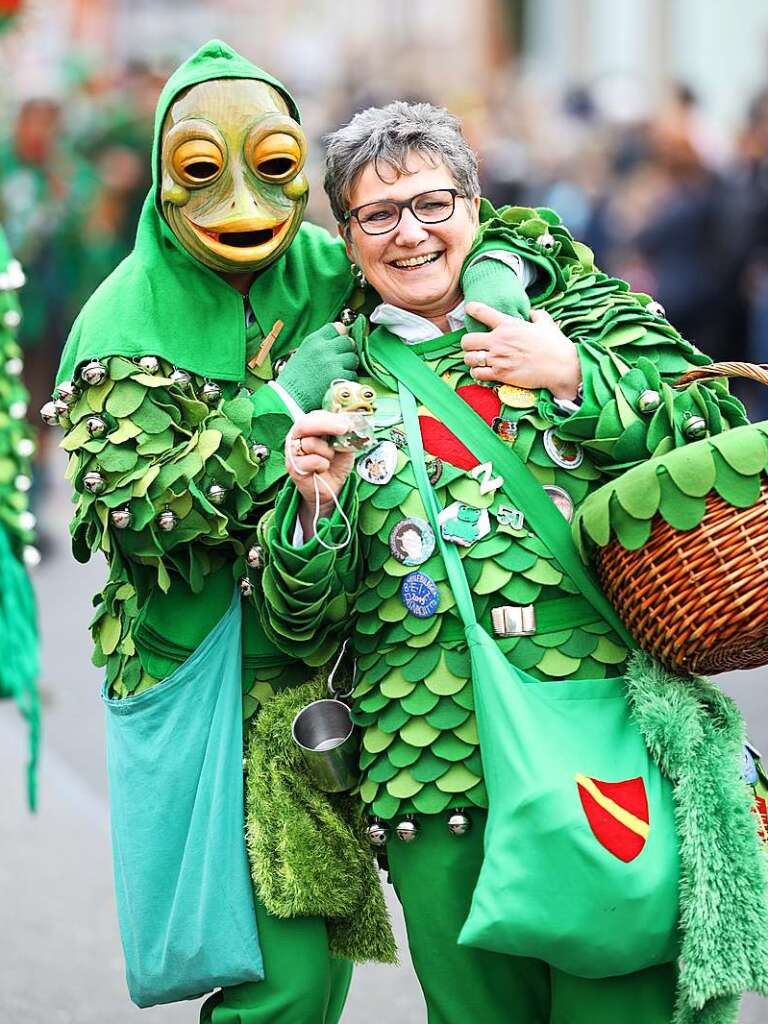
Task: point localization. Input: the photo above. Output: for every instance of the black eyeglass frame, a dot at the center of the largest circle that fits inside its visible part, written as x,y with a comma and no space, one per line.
405,204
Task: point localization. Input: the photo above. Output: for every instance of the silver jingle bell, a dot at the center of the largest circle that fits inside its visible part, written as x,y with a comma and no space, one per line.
61,407
459,823
94,482
65,392
25,447
180,377
217,494
246,587
96,426
27,520
15,273
149,364
378,832
11,318
255,557
546,241
121,517
656,309
31,556
93,373
167,520
648,401
694,428
260,453
22,482
48,414
14,366
210,392
347,316
407,830
18,410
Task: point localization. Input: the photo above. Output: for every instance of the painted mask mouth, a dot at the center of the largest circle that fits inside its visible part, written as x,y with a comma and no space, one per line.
245,244
243,239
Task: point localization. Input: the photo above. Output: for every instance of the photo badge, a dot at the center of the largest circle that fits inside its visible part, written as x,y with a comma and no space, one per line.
565,454
378,465
412,541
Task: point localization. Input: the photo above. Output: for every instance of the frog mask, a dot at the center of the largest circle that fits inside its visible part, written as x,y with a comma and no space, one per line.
232,187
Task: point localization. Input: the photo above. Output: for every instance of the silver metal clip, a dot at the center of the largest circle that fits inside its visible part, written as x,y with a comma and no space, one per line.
514,620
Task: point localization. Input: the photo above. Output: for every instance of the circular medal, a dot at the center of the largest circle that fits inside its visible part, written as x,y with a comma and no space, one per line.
564,454
419,594
378,465
515,397
562,500
412,541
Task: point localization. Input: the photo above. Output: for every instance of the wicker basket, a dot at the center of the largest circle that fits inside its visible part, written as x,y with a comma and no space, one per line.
698,599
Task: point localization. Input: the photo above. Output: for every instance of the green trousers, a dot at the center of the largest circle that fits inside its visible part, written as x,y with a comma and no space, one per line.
434,877
303,983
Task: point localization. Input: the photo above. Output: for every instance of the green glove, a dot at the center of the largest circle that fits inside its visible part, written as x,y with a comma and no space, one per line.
496,284
323,356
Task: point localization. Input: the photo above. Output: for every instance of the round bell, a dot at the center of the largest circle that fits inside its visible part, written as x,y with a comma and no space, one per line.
11,318
210,392
18,410
546,241
66,392
31,556
25,447
15,274
27,520
648,401
96,426
246,587
217,494
167,520
347,316
22,482
459,823
656,309
121,517
180,377
94,482
255,557
61,407
260,453
93,373
48,414
378,832
14,366
149,364
407,830
694,428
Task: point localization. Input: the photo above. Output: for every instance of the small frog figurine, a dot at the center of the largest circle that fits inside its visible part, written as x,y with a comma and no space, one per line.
357,402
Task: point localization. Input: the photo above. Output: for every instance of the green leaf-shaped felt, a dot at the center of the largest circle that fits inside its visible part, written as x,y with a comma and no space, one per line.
403,785
372,701
467,731
693,471
425,639
447,715
638,494
371,519
521,591
515,557
392,610
450,748
492,578
442,681
429,767
735,488
368,790
465,698
467,491
543,572
744,449
421,664
382,771
457,661
402,754
125,398
418,732
420,701
375,740
631,533
457,779
557,665
676,508
385,805
395,685
431,801
610,653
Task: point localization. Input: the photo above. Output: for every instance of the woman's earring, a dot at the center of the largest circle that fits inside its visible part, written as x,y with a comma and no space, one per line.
358,275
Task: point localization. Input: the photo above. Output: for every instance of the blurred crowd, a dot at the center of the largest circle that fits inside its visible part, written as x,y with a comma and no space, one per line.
668,202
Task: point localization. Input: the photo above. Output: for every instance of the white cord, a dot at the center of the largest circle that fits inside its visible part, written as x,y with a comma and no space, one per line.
317,480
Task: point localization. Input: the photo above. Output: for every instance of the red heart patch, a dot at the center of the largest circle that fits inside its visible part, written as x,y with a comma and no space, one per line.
439,440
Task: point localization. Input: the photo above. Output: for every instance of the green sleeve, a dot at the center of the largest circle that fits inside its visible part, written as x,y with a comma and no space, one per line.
270,422
308,592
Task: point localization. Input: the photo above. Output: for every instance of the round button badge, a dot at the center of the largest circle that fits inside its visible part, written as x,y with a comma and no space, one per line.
412,541
420,594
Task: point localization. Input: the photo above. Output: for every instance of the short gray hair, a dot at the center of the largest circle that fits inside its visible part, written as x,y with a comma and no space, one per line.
386,135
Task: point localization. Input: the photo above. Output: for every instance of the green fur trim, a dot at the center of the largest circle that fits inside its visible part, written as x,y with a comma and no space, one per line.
309,850
696,734
674,486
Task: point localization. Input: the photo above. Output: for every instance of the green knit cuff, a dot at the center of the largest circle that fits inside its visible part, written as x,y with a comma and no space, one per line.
495,283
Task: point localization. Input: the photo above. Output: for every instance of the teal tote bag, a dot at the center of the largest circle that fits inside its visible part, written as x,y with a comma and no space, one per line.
581,860
182,880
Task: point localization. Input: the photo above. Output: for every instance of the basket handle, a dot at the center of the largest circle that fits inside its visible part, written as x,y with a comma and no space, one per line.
754,371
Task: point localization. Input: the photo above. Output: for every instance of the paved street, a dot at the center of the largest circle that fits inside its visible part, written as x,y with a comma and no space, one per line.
60,959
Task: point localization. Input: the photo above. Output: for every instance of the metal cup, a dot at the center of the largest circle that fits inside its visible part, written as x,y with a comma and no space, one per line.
325,734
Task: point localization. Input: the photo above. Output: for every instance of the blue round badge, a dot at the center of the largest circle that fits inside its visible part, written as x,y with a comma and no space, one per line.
420,594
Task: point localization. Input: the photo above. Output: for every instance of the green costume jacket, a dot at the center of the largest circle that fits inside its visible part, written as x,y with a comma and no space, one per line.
414,699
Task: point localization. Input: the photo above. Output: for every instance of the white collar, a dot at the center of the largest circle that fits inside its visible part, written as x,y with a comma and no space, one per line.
412,328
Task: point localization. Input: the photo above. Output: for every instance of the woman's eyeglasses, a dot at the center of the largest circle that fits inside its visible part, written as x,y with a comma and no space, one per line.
428,207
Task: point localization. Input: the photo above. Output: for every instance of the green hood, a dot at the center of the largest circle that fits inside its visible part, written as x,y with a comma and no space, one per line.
161,301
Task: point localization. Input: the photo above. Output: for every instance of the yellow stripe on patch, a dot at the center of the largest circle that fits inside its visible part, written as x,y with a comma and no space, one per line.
632,822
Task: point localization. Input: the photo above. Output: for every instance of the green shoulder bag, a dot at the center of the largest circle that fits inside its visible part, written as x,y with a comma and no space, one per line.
581,864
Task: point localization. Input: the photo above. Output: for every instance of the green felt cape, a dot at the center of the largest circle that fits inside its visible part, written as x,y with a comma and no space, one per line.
162,301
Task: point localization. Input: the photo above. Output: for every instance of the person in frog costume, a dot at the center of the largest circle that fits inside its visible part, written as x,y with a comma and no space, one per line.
175,421
587,385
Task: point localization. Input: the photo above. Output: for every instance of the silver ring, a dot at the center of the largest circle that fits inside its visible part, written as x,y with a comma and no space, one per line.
298,447
482,359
